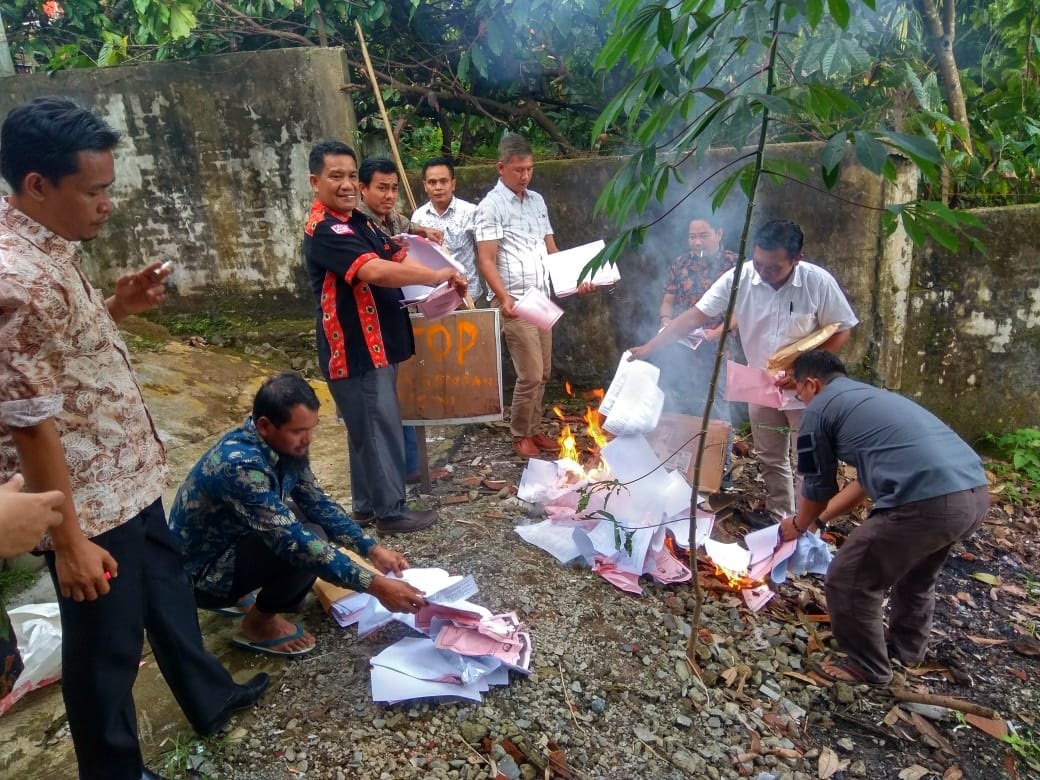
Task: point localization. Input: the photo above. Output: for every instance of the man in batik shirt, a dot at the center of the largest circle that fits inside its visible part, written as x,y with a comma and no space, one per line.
685,372
251,515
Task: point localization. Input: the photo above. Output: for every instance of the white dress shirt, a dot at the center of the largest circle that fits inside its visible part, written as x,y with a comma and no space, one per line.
457,225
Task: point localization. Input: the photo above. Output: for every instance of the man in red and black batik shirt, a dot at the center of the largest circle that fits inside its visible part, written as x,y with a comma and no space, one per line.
356,272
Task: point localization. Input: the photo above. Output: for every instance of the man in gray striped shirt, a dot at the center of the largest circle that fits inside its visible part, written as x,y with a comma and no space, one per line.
513,239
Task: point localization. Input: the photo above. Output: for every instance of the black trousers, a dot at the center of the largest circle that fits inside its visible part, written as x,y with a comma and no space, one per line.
283,587
102,643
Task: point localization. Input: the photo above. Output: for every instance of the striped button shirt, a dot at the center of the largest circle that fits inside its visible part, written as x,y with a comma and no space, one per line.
520,227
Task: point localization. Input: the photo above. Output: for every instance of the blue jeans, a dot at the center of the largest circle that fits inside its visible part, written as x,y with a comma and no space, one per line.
411,450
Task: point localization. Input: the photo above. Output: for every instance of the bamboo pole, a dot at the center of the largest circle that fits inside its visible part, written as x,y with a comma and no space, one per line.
371,73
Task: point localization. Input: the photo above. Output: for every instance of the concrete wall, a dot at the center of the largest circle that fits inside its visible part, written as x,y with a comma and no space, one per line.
212,169
212,173
973,346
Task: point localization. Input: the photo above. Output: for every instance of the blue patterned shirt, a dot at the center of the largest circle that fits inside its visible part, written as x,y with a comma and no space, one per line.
240,486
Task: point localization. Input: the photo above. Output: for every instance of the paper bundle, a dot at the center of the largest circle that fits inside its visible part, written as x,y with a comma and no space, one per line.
464,651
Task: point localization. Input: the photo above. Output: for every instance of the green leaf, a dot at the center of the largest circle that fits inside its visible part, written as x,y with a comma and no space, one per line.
182,22
986,577
664,28
463,69
827,64
839,11
495,38
814,12
833,152
479,60
871,154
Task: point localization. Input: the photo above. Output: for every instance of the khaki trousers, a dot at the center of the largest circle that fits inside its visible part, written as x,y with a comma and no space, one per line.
775,433
531,352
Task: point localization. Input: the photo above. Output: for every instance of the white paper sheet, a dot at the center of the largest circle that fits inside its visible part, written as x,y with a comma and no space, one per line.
418,657
391,686
632,397
555,539
732,557
430,254
566,266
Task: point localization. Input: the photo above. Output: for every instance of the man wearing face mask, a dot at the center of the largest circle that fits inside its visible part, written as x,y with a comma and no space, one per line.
781,298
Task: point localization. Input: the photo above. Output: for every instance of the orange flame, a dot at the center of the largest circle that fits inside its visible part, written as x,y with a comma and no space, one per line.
735,579
594,430
568,448
596,393
558,412
567,387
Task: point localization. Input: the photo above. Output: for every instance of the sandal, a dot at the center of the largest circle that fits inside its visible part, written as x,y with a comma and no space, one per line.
267,646
236,610
853,675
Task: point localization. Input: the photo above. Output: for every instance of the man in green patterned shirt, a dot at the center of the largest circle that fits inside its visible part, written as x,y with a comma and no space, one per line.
251,515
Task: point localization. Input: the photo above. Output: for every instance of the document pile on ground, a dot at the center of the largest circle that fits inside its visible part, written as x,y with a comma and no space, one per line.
464,651
630,505
621,533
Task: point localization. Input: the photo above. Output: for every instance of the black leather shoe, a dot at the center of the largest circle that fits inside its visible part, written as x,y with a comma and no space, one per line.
364,519
244,696
149,775
406,522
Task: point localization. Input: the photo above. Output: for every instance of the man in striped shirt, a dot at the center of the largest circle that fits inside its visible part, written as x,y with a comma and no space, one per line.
514,237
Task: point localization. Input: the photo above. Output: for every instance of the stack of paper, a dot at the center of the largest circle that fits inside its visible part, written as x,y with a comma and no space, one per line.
464,652
633,401
432,302
566,266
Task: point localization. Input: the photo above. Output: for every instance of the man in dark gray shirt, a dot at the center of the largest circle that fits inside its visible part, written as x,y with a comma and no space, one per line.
929,492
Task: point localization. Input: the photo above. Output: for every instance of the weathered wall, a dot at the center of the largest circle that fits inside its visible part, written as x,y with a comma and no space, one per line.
212,169
973,345
212,173
595,330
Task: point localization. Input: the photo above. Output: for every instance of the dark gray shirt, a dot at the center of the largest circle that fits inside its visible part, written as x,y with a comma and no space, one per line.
902,452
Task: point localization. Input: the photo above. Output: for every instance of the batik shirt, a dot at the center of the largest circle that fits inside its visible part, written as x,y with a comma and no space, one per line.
361,326
241,486
689,276
62,359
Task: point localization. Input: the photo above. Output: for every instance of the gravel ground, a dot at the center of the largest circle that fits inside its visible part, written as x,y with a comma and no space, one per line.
611,695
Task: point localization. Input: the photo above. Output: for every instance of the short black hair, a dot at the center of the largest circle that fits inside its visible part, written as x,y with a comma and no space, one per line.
713,220
279,395
374,165
780,234
46,135
321,150
819,364
445,161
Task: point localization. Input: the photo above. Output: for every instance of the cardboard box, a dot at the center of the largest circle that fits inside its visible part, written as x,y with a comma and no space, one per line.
328,594
675,434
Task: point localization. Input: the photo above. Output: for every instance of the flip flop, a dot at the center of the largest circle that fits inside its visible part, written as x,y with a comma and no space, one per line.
266,646
858,676
236,610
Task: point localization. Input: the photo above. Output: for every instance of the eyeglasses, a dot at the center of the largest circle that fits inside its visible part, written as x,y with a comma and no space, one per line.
798,385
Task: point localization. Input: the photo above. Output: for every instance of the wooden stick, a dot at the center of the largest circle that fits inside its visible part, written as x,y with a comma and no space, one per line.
900,693
371,73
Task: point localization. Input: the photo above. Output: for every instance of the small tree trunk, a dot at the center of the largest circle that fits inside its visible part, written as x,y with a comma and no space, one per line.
942,30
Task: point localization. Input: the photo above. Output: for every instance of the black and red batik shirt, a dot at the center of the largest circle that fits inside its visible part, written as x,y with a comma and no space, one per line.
361,326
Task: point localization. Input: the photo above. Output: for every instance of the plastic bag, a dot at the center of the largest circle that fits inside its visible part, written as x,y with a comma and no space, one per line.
38,628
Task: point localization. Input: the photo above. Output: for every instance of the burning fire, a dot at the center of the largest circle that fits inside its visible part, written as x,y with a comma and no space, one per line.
567,387
735,580
593,429
568,438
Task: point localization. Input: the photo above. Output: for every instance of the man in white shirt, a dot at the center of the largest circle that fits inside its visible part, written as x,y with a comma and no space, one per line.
781,298
452,216
513,238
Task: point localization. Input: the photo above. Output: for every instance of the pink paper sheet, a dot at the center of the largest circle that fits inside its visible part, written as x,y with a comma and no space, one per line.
535,307
751,385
